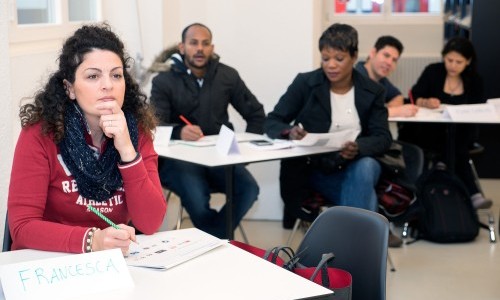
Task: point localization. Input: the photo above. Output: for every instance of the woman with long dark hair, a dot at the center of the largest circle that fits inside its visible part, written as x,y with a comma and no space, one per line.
453,81
86,139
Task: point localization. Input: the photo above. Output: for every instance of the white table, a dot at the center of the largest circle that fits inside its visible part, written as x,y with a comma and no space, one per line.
226,272
426,115
209,157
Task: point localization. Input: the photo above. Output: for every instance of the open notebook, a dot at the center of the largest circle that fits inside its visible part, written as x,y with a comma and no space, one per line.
164,250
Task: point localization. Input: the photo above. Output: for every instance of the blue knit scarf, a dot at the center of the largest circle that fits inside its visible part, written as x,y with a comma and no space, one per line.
97,178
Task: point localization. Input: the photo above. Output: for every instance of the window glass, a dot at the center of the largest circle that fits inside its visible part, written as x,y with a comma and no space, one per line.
379,6
358,6
82,10
416,6
35,11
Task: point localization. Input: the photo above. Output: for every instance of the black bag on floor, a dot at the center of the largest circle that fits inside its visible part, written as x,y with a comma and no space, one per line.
447,212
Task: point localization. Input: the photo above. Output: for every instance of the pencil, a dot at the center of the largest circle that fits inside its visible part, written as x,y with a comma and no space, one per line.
98,213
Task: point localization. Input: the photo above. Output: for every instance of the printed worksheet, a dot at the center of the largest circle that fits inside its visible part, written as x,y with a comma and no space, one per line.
164,250
333,140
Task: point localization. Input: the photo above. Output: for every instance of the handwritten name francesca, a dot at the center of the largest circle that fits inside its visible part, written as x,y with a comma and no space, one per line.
36,277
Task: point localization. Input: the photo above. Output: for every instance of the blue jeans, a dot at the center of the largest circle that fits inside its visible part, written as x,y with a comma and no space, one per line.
194,184
354,186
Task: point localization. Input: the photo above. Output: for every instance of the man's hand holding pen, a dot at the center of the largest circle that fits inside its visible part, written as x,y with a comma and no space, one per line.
190,132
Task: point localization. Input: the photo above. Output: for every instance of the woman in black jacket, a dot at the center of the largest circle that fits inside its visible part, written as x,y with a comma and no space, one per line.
332,99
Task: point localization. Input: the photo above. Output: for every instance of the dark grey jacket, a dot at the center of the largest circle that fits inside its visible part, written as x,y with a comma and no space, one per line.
307,101
176,92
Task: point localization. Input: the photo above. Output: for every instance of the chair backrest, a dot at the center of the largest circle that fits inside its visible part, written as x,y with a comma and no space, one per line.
414,160
7,240
359,240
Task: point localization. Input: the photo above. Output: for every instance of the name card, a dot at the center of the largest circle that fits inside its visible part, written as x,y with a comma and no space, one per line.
62,277
227,143
473,113
163,135
496,103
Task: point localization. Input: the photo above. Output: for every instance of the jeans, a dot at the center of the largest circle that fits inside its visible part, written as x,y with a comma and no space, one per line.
194,184
354,186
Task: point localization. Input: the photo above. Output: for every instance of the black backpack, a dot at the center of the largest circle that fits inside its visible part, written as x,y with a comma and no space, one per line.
447,214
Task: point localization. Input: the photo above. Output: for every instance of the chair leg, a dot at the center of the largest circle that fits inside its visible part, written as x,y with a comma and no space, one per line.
391,264
243,234
406,228
491,219
179,217
294,230
491,223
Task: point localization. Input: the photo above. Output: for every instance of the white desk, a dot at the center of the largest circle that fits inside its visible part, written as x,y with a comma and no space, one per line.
425,115
226,272
209,157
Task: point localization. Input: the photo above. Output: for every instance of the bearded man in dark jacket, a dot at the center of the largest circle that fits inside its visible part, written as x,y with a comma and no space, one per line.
200,88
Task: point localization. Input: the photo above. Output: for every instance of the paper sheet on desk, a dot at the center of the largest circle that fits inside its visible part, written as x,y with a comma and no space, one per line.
474,113
208,140
425,114
334,140
276,145
165,250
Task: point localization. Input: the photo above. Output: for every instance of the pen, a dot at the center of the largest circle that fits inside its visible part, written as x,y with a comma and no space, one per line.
98,213
186,121
411,97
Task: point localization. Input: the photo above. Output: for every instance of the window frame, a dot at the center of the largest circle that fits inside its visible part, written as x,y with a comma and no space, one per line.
40,32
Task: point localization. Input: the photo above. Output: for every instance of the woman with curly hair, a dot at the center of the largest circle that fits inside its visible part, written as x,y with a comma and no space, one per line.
86,139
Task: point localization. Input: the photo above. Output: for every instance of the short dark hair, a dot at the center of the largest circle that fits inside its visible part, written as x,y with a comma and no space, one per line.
388,40
185,30
340,36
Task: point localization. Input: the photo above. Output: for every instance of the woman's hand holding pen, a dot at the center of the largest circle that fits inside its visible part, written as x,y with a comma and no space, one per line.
429,102
349,150
297,132
111,238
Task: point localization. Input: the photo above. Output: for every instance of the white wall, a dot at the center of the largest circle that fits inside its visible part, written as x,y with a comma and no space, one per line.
268,42
6,135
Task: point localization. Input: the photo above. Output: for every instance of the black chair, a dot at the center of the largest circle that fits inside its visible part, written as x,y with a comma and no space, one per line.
359,240
7,239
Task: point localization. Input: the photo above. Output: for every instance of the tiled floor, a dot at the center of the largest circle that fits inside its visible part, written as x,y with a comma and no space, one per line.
424,270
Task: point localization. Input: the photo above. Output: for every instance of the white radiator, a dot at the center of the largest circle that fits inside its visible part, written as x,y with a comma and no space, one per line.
409,69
